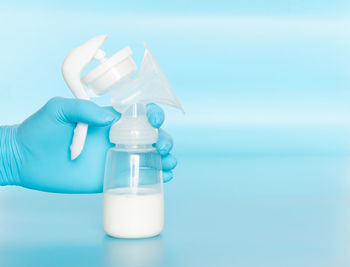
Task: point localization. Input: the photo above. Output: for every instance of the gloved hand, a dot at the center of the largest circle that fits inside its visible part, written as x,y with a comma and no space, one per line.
36,155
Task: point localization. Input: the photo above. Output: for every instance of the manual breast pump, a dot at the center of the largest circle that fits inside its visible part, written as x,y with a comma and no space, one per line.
133,190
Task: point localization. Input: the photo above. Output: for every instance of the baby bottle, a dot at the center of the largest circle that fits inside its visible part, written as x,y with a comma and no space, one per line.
133,202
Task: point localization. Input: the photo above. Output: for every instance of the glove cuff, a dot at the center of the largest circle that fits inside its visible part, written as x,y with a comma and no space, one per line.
9,155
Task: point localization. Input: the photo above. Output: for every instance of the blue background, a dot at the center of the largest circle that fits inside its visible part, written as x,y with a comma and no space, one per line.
263,175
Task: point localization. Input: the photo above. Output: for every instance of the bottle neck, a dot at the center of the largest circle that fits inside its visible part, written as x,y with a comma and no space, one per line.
133,128
134,148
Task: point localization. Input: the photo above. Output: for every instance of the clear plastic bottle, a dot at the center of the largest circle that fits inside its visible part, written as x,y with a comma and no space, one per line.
133,202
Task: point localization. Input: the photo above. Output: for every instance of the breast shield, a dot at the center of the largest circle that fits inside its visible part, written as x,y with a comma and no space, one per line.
149,86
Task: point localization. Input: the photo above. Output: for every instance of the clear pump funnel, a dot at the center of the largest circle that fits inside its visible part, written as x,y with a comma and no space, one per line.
150,85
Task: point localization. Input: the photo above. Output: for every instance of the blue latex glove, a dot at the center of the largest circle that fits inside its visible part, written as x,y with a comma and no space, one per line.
36,155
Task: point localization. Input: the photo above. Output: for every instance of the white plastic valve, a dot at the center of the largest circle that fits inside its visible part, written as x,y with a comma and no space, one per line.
104,76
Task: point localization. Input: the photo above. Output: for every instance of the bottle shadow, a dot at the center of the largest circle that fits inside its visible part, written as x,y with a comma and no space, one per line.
133,252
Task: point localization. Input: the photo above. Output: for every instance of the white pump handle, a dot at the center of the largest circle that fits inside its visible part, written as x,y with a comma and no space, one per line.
72,67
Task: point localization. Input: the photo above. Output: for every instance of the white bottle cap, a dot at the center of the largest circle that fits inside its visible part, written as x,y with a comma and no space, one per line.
133,128
133,131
